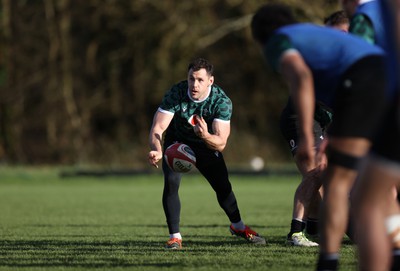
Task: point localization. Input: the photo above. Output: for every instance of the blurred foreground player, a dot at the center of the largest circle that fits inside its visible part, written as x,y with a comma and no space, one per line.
340,78
377,213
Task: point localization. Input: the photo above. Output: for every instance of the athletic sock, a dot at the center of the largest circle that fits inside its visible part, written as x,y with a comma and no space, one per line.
312,226
296,226
239,225
175,235
328,262
392,224
395,260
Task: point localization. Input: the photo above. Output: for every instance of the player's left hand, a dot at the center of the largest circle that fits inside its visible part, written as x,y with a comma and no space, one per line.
200,129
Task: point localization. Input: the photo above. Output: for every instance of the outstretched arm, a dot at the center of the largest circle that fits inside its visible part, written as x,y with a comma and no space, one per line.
160,124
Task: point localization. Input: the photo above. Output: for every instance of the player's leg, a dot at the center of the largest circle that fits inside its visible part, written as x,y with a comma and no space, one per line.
288,127
312,221
374,197
358,108
309,192
344,155
306,195
212,166
322,119
172,206
373,204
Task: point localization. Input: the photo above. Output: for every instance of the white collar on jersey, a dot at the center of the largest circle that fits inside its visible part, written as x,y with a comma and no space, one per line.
208,94
364,1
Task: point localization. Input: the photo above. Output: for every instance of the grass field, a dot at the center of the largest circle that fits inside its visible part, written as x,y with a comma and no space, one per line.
117,223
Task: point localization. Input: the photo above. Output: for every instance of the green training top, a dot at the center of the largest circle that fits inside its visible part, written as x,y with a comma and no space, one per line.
215,107
276,46
361,26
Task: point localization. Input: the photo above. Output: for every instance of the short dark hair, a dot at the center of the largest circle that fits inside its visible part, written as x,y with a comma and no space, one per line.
201,63
338,17
268,18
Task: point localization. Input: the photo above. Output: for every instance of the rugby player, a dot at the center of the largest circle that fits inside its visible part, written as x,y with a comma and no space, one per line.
327,66
200,98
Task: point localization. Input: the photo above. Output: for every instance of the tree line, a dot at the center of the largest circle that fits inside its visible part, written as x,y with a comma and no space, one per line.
81,80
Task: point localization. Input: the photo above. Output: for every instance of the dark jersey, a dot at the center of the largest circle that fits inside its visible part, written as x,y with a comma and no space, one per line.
361,26
215,107
390,44
387,144
327,52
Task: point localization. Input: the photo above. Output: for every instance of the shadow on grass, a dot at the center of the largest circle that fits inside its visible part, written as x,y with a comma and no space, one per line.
145,226
48,253
97,254
57,253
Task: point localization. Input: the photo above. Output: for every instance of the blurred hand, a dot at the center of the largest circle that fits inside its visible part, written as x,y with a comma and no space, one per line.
306,153
320,158
154,157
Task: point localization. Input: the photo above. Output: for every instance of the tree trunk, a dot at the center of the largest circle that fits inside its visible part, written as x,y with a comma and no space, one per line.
67,85
12,99
52,89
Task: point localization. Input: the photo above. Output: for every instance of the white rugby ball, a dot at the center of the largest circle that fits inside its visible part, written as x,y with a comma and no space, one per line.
180,157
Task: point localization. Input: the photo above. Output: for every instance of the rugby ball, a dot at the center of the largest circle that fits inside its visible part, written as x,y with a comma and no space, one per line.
180,157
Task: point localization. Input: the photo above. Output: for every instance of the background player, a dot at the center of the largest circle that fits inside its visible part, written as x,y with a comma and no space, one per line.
338,20
308,194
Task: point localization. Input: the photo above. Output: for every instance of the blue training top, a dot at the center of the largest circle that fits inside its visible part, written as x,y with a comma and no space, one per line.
372,10
379,20
389,45
327,52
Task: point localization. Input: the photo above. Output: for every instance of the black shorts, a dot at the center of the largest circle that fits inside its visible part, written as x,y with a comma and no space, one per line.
289,125
359,101
387,143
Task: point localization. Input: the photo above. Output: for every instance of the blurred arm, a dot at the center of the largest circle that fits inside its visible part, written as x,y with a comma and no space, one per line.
301,85
160,124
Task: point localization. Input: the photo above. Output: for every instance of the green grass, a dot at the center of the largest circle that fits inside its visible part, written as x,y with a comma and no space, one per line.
117,223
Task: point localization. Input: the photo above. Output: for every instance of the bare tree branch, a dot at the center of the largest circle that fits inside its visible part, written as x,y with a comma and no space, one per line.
225,29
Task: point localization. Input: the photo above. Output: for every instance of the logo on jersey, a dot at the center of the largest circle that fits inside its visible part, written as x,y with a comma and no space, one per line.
192,120
292,144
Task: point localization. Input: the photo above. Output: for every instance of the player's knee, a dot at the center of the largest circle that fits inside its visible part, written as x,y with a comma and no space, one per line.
172,181
342,159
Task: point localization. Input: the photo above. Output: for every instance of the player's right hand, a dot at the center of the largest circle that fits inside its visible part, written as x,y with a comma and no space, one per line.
154,157
306,153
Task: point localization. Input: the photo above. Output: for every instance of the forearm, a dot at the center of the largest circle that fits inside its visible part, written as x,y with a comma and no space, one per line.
215,142
160,124
155,141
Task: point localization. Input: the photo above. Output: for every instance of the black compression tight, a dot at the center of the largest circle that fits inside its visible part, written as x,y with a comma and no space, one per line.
215,172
